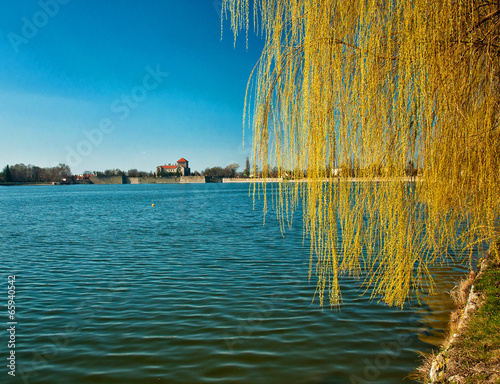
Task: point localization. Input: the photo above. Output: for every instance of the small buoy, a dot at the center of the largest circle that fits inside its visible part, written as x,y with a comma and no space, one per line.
152,205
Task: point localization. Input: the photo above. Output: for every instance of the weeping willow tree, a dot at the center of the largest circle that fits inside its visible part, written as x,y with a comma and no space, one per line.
354,96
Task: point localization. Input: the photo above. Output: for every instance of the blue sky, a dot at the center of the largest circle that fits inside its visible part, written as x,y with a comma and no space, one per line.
73,79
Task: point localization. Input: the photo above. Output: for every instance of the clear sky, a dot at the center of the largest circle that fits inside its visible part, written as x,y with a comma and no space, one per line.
121,84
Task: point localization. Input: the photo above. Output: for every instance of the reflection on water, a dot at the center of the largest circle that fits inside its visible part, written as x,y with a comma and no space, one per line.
195,289
435,309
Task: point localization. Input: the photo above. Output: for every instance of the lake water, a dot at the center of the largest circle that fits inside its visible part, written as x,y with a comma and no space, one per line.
110,289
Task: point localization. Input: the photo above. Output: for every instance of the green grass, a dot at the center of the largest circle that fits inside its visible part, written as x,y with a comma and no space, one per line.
479,345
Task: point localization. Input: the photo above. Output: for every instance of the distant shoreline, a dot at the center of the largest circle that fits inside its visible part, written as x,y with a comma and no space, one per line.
185,180
20,184
340,179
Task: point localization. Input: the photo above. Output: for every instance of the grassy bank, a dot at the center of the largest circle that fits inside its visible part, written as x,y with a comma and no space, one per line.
472,353
477,349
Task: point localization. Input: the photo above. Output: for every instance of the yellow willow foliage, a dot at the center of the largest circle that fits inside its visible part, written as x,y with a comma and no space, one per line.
377,89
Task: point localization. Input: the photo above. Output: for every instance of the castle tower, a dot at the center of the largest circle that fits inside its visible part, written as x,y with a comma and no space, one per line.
183,163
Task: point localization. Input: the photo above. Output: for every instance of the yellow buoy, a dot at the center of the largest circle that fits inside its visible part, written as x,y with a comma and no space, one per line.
152,205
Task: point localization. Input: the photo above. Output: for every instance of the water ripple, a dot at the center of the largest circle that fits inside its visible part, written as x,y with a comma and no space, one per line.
196,289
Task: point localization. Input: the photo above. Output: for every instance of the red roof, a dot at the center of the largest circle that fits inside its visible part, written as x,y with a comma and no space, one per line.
182,160
169,166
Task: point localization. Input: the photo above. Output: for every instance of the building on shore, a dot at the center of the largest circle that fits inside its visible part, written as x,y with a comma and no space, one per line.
83,177
181,169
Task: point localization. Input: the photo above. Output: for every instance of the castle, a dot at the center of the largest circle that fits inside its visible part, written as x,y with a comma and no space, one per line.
182,169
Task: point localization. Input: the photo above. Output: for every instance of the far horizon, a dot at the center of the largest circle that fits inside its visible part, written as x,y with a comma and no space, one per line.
121,86
126,171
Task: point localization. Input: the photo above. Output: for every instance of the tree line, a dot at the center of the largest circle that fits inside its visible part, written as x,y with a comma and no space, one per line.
21,173
118,172
229,171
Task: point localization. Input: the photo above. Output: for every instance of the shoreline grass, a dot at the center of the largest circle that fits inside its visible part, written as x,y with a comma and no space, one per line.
472,353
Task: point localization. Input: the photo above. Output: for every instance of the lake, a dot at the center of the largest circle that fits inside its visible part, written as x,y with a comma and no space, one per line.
110,289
